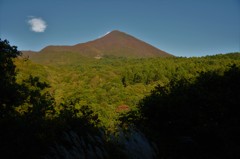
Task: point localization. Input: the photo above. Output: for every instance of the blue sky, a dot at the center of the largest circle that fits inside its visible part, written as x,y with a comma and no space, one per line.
180,27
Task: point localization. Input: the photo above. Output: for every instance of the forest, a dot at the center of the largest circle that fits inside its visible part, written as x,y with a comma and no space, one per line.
119,107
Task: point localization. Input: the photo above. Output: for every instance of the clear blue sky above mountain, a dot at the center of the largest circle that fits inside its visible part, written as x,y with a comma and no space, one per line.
180,27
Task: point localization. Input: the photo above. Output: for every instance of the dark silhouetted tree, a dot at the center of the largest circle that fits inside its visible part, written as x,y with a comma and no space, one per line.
8,86
195,118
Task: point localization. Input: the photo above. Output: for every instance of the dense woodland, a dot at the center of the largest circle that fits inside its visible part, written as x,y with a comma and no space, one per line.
118,107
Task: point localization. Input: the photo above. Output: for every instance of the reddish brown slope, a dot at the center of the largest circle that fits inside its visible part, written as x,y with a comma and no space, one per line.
115,43
118,43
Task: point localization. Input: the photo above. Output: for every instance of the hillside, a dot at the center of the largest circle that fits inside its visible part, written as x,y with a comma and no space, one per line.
108,83
60,110
116,44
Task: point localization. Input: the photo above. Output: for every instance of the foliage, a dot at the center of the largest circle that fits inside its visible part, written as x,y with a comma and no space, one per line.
109,82
187,106
196,118
36,123
27,110
7,78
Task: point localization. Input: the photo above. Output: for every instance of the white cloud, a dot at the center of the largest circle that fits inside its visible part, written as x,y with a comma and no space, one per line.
37,24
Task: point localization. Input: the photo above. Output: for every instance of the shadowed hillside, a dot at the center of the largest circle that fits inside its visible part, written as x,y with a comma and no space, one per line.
116,43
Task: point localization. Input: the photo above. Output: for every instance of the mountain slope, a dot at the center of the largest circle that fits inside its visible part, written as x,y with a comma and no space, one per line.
115,43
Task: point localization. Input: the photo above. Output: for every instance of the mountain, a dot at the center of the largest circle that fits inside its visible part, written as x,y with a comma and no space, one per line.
115,43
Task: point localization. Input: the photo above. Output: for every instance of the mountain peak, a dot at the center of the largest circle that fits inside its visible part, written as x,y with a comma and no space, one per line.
114,43
114,33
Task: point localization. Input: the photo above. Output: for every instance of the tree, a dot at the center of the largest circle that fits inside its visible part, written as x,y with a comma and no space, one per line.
8,93
195,118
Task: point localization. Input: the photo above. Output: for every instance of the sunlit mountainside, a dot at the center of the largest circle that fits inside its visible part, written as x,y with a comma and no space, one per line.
115,44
